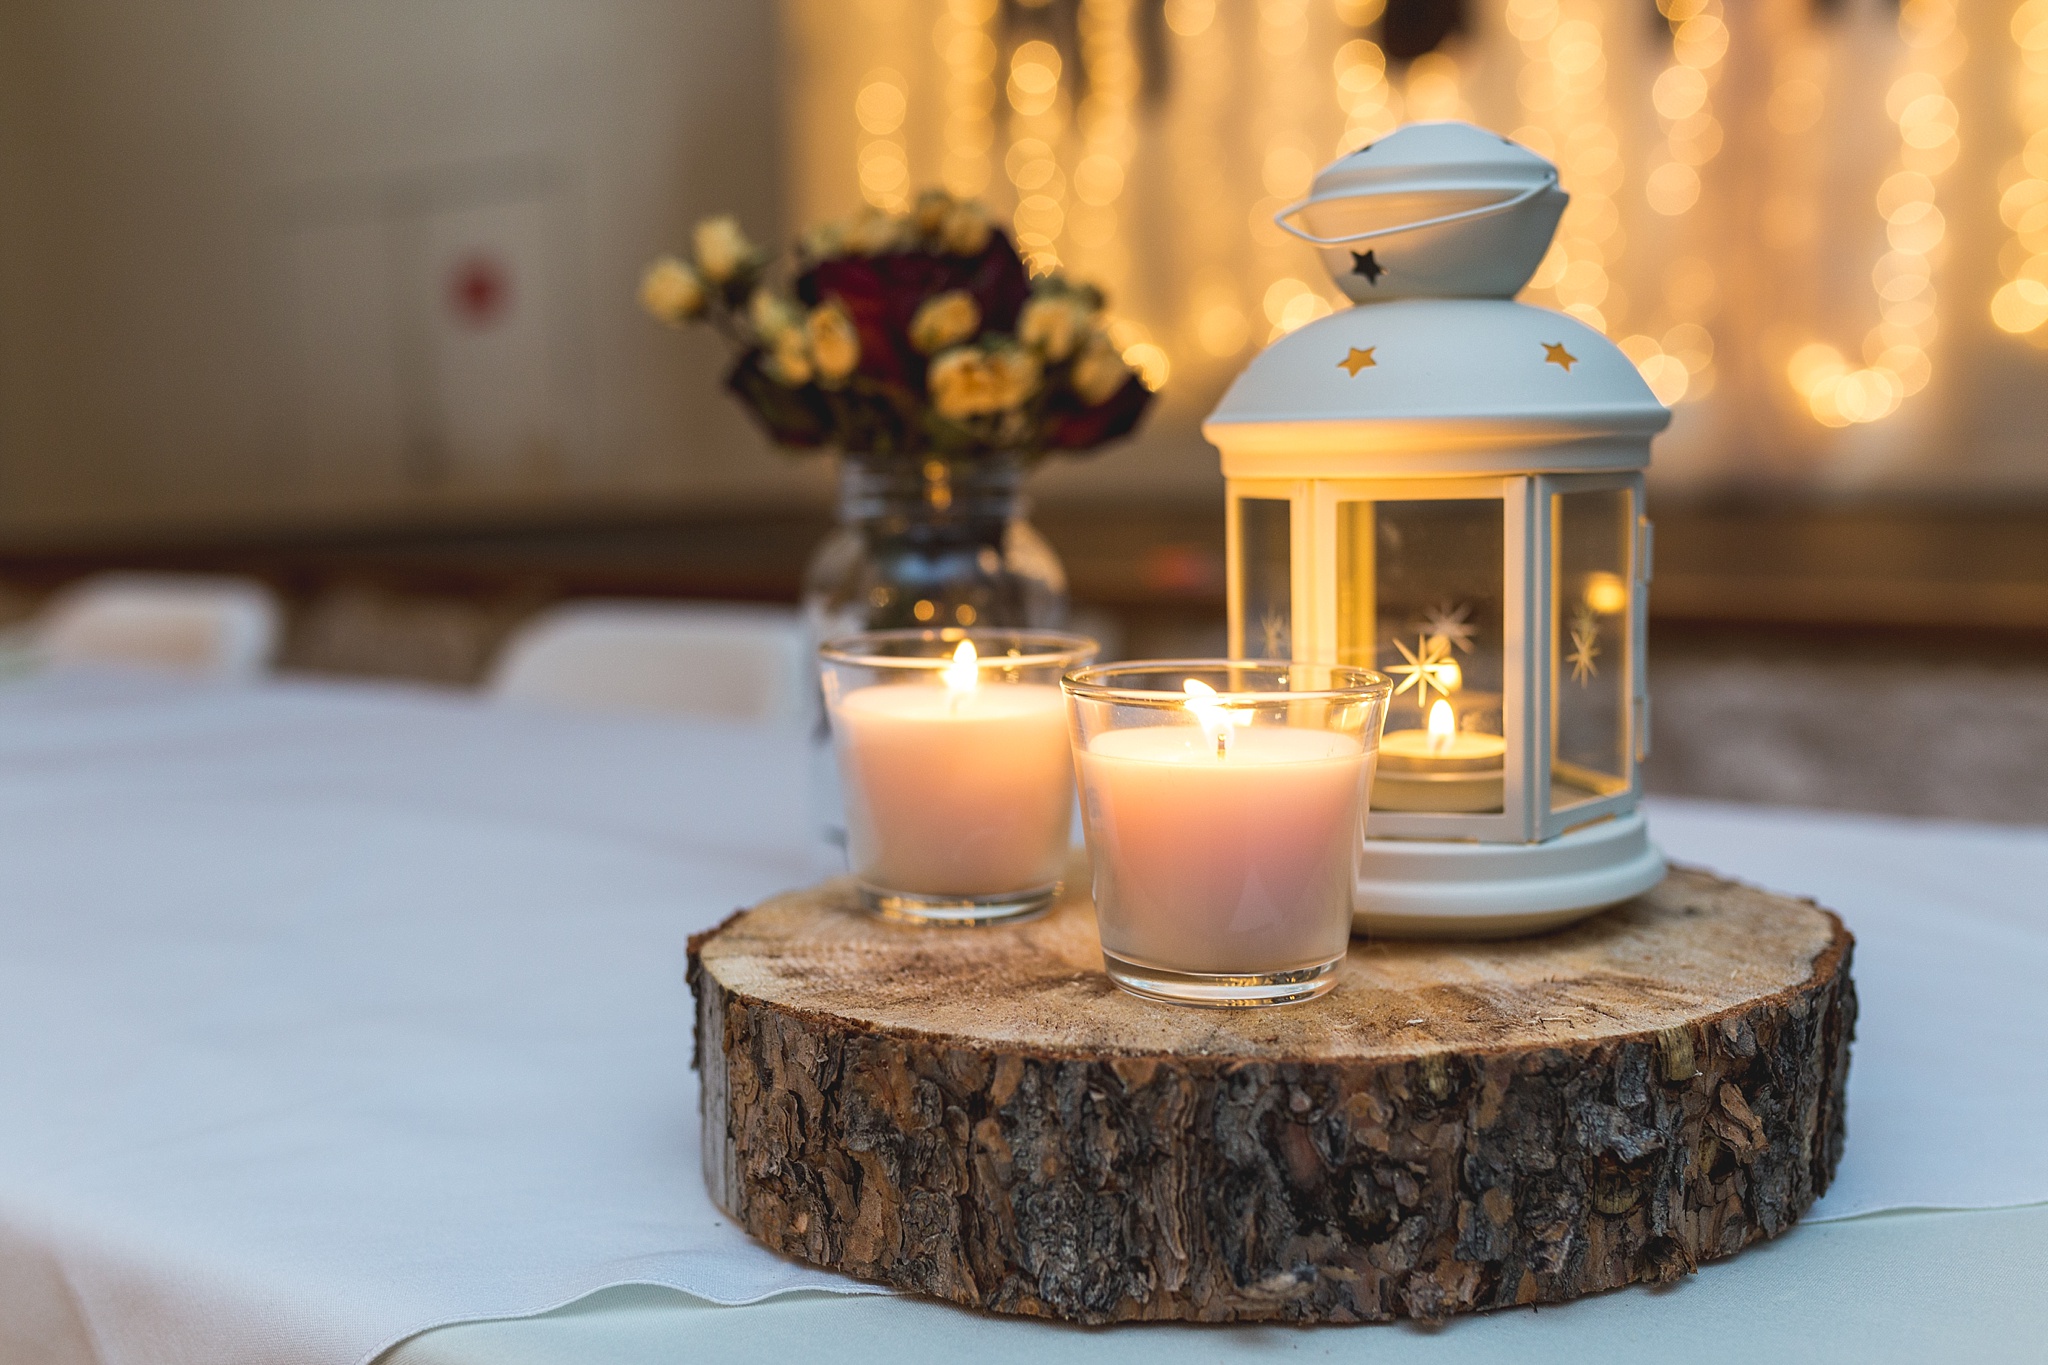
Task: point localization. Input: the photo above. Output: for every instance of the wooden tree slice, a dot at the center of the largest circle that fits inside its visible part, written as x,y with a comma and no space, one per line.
978,1115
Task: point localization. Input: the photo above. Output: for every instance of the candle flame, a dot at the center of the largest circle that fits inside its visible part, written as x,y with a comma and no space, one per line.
1209,713
964,673
1449,676
1443,726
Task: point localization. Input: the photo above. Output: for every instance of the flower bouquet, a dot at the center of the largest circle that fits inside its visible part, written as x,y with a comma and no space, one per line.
906,338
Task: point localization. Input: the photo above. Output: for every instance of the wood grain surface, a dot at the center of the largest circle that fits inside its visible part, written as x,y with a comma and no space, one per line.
979,1115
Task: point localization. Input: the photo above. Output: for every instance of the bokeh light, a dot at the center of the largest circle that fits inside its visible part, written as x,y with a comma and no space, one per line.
2020,304
1896,364
968,52
880,159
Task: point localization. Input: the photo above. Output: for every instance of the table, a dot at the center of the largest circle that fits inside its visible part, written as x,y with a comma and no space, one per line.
329,1012
1904,1287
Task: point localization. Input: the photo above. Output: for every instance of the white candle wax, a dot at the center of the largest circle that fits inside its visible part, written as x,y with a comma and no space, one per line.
1239,864
956,792
1441,768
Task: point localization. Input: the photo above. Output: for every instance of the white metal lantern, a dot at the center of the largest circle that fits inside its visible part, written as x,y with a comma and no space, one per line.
1449,489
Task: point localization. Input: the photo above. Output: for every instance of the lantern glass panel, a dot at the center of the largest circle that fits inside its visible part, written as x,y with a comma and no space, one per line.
1421,598
1590,645
1266,560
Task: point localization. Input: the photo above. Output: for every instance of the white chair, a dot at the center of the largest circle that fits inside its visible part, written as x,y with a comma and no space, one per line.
208,626
696,659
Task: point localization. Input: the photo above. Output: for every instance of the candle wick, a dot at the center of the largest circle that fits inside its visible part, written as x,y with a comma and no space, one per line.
1222,744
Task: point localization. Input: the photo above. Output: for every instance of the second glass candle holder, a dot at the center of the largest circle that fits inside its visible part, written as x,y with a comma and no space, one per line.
955,765
1225,809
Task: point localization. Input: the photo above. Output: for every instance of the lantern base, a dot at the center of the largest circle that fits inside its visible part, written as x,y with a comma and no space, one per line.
1438,888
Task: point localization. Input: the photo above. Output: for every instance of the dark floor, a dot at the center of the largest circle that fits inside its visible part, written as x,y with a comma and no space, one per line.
1912,724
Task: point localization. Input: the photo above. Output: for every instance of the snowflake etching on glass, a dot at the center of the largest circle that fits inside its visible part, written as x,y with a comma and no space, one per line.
1274,627
1450,623
1428,667
1585,646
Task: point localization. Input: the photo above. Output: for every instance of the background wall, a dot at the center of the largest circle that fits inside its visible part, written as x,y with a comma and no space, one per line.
367,262
271,266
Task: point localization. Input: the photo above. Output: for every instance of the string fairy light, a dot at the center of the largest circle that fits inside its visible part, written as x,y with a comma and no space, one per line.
1213,317
1057,125
2020,304
1038,106
1895,351
1683,98
1288,163
1435,88
881,159
1800,73
1371,105
1562,89
1108,140
968,52
1679,361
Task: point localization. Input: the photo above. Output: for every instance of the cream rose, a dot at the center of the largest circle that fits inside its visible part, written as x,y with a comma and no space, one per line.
1018,374
823,241
722,249
771,314
944,320
835,345
964,229
961,384
970,382
873,232
789,359
1099,370
964,384
1055,323
671,291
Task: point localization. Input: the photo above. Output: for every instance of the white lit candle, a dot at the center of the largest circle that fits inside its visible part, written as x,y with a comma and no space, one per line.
1441,768
1222,848
961,789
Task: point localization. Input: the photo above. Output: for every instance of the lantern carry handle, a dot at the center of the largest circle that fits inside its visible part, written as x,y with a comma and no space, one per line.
1484,210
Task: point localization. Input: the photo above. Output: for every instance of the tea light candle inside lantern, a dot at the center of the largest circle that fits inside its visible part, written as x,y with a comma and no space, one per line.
1225,841
1440,768
958,779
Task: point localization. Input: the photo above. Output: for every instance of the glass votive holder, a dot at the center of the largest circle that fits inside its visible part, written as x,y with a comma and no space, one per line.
1225,809
956,768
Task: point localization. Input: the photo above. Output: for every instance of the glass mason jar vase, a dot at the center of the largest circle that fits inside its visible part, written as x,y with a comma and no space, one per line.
929,545
924,544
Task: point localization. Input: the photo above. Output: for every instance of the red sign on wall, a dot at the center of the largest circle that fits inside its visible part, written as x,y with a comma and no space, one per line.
479,289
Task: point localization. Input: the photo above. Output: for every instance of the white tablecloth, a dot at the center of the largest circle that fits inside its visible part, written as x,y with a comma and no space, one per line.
330,1013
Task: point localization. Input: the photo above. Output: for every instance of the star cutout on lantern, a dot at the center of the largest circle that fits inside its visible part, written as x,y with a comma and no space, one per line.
1363,263
1554,353
1425,669
1585,647
1359,360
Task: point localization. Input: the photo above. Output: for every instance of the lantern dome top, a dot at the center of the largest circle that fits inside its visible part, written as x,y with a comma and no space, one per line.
1436,385
1437,210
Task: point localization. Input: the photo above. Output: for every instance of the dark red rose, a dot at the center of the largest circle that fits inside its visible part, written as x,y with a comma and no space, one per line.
870,298
1078,428
998,281
882,293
